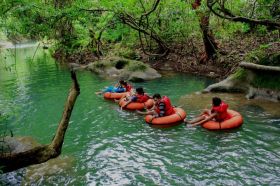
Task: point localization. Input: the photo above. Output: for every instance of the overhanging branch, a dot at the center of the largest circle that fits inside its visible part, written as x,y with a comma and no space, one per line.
230,16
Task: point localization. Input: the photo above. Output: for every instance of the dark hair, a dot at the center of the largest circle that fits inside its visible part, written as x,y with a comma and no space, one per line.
122,82
216,101
156,96
140,90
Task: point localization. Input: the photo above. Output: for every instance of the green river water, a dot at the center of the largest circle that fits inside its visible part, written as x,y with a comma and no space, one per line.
106,146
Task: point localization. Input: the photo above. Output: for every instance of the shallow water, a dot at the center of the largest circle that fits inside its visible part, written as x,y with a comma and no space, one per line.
106,146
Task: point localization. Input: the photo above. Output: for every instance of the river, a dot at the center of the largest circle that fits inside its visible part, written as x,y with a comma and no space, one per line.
106,146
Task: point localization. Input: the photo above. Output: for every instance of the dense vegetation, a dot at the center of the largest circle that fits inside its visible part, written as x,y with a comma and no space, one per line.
195,28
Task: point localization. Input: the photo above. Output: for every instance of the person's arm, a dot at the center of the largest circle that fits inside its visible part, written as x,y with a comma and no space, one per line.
211,116
148,112
133,99
153,108
206,111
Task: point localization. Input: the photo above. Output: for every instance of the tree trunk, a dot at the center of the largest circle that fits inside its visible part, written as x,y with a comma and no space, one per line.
42,153
210,45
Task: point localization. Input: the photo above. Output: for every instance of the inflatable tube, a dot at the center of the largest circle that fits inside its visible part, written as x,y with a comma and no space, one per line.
236,120
179,116
114,95
137,106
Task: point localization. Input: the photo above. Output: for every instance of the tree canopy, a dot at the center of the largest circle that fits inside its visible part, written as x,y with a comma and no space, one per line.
76,25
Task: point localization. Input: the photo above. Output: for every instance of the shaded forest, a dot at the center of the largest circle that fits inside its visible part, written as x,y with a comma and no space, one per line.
191,36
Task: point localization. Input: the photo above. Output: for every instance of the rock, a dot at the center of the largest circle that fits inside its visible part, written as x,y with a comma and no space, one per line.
166,67
19,144
121,68
148,74
60,165
263,93
229,84
212,74
252,82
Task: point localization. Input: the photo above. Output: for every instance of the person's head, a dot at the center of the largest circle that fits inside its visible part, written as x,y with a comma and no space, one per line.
156,97
216,101
140,90
121,82
124,83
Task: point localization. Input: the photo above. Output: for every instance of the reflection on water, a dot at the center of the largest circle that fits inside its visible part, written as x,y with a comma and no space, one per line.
106,146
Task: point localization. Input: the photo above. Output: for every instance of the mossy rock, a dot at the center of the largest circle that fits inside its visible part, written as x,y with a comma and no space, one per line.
117,67
240,74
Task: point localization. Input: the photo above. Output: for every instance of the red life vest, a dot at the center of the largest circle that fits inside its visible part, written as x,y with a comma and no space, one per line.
128,87
222,112
168,107
142,98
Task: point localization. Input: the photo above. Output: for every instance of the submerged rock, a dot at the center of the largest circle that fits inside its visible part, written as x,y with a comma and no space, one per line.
60,165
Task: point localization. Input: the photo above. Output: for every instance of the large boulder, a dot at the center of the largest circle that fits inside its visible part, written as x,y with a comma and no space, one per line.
257,81
230,84
122,68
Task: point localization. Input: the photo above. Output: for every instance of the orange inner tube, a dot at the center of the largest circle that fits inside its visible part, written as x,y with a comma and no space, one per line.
137,106
179,116
114,95
236,120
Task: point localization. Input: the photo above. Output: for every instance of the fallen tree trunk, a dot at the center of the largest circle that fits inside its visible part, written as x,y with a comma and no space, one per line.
42,153
253,66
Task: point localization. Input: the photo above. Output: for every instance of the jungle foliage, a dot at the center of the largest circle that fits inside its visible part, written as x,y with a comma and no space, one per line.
77,25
